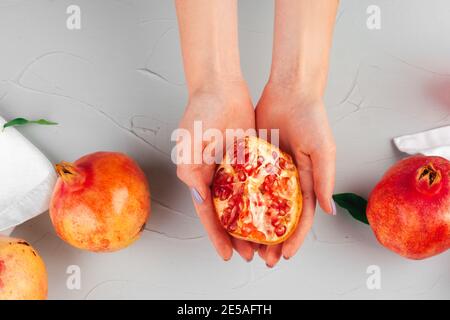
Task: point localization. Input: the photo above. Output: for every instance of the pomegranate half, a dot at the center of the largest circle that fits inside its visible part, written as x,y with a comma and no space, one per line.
409,209
256,192
101,202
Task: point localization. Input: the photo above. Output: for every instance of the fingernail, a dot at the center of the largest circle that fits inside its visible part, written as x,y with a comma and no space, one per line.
196,195
268,266
333,207
286,258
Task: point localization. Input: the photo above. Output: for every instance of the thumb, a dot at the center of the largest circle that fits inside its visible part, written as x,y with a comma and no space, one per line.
199,180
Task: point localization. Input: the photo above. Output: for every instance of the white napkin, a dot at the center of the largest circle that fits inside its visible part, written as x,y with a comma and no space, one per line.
27,179
435,142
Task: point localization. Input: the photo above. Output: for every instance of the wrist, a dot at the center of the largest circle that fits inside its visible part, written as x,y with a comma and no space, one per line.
296,88
213,68
220,85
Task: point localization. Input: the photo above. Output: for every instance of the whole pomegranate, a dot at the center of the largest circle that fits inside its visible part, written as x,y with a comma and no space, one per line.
256,192
101,202
22,271
409,209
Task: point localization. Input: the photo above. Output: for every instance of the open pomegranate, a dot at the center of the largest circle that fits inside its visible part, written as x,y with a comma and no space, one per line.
101,202
256,192
409,209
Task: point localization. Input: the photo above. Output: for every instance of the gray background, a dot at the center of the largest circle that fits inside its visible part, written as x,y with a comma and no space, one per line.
117,84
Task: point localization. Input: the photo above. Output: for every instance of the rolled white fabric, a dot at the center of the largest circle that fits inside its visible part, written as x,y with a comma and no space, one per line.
27,179
435,142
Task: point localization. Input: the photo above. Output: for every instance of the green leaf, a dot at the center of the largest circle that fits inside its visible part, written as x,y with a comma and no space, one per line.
22,121
354,204
44,122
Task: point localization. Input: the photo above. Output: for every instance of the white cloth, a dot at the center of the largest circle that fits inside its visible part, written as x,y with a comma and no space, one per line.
27,179
435,142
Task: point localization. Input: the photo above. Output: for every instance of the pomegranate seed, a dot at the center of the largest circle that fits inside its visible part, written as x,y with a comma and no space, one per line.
232,227
269,167
276,221
225,193
246,229
274,155
260,160
234,214
282,212
280,230
282,163
240,205
274,205
226,216
216,192
242,176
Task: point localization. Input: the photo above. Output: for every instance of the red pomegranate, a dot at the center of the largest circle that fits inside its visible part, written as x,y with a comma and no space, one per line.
22,271
409,209
101,202
256,192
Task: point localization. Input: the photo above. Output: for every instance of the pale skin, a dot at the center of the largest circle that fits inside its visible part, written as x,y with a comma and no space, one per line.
292,101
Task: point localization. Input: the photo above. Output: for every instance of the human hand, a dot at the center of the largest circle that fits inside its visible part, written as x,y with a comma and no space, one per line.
306,135
221,105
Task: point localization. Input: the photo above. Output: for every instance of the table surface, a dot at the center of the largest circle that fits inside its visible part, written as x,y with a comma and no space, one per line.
118,84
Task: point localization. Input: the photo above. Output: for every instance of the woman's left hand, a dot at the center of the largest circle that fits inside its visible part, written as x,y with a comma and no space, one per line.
306,135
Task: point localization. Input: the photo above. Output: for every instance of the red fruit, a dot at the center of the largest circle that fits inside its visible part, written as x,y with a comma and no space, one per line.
265,200
101,202
22,271
409,209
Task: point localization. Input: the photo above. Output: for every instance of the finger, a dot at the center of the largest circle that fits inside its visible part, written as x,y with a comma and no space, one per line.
217,234
293,243
202,199
262,252
324,170
255,246
272,255
244,248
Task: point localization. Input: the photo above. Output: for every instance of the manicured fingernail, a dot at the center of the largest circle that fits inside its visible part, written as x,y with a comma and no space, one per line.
286,258
196,195
269,266
333,207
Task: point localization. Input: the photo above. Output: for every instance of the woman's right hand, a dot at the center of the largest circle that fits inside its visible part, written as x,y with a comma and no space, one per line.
219,105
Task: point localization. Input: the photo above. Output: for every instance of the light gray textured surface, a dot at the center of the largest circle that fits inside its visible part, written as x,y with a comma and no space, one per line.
117,84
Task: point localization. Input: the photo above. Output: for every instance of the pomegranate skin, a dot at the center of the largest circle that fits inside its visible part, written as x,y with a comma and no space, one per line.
22,271
409,209
101,202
